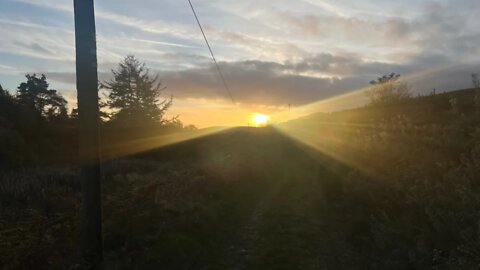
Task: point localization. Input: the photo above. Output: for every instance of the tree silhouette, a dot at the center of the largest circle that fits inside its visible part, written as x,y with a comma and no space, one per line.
35,95
9,109
134,95
388,89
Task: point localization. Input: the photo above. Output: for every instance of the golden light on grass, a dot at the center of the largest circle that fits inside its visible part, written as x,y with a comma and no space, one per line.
351,99
260,120
144,144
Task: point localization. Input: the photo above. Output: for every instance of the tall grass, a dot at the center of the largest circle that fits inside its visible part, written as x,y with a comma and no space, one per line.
406,193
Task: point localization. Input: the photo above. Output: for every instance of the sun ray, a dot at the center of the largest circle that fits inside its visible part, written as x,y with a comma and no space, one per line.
116,150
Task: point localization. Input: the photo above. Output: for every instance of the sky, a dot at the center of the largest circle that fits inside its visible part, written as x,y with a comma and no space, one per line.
274,54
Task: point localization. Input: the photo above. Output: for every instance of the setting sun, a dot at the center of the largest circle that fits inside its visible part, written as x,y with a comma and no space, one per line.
260,119
266,127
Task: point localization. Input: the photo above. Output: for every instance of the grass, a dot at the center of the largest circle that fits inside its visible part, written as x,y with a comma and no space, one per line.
364,189
161,209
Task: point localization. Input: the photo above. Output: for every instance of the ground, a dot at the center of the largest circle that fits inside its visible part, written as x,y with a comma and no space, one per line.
245,198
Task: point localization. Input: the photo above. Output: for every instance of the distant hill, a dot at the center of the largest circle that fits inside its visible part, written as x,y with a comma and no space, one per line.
430,109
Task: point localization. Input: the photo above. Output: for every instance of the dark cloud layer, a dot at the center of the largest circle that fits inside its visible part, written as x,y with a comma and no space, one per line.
255,82
272,83
435,46
304,81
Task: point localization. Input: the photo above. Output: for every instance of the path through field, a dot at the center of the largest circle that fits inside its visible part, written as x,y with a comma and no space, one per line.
258,205
284,229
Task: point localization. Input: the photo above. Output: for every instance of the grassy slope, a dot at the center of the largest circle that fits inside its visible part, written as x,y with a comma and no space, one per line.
239,199
255,199
407,196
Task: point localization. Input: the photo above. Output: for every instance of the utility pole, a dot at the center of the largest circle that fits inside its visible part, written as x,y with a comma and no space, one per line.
91,238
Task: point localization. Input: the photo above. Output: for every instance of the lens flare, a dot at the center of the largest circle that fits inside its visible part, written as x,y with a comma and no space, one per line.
259,119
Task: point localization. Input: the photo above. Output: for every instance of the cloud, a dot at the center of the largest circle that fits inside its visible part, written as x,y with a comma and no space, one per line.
36,40
70,77
8,70
442,28
35,47
152,26
271,53
163,43
277,84
251,84
310,79
328,7
260,48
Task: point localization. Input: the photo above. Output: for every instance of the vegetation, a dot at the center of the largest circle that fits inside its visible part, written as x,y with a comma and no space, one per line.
405,188
35,121
388,90
378,187
134,95
178,208
36,97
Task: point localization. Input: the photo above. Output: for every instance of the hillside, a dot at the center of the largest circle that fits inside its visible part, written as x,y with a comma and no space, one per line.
369,188
223,201
439,108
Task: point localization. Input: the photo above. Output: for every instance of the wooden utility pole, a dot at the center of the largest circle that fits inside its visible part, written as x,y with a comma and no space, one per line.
88,120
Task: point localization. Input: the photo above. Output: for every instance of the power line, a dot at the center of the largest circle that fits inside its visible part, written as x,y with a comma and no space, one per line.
211,52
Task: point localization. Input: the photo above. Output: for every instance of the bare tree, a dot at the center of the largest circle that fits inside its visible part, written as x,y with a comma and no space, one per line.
388,89
88,118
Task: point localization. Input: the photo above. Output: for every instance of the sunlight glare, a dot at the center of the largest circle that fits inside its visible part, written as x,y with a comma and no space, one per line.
260,119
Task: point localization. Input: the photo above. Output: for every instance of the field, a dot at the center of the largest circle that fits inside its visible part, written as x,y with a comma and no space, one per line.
369,188
224,201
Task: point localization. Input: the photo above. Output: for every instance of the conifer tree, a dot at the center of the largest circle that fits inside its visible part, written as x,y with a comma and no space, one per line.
134,95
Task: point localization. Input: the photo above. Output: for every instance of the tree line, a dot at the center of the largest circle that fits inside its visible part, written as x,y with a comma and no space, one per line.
36,127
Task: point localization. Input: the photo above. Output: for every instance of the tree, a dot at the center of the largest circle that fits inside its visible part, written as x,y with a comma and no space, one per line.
388,89
103,115
35,95
8,108
134,95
